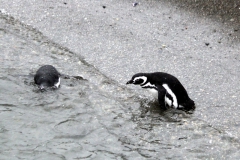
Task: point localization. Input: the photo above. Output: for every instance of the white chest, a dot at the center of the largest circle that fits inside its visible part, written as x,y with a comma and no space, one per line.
153,92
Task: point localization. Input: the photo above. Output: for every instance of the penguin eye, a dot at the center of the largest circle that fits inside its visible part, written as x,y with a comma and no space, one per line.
138,81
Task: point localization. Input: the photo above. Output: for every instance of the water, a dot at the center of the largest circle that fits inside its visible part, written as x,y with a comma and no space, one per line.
93,117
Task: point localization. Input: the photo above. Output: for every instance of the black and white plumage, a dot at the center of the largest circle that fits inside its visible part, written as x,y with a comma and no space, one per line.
170,91
47,76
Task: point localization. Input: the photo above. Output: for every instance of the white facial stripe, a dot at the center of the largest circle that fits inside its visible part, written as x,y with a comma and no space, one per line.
142,77
175,103
149,85
57,84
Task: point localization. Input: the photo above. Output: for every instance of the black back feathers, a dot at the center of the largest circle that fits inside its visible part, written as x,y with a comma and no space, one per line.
47,76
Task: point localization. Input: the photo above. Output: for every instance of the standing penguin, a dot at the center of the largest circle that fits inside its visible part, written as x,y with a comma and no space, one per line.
170,91
47,77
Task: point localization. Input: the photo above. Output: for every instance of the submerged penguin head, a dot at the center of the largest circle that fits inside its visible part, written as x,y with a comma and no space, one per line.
44,86
138,79
47,82
47,77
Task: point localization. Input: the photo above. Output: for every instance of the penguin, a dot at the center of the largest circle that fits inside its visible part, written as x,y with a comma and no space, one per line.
171,92
47,76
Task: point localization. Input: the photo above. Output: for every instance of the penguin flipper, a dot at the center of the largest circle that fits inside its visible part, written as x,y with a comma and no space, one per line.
161,96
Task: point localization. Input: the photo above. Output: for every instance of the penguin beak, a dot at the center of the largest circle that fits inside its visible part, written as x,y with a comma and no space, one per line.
130,82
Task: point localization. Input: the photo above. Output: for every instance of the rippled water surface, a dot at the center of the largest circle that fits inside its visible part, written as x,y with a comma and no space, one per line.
90,116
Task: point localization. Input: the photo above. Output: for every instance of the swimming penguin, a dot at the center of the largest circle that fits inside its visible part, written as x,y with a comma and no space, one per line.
170,91
47,77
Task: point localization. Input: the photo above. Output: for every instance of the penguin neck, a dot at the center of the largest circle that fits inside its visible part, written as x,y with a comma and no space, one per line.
151,88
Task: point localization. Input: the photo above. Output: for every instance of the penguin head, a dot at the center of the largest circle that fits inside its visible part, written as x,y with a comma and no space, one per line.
45,82
47,77
42,87
138,79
